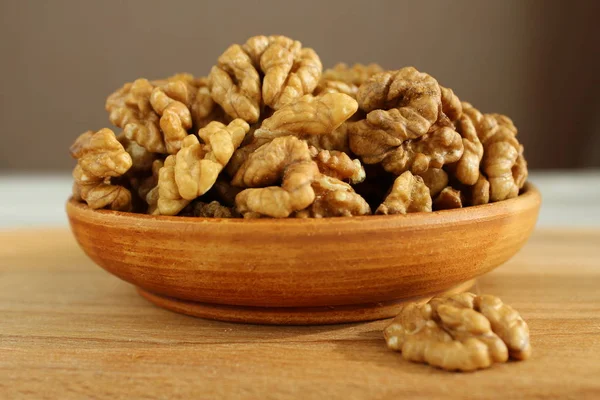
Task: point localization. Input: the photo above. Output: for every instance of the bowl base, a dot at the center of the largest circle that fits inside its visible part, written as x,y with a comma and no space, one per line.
292,315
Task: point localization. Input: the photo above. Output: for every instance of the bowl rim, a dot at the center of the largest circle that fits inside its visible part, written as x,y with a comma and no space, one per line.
529,197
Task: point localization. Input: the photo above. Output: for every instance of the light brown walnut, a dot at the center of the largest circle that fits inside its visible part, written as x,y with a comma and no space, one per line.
141,158
286,159
100,157
479,193
451,105
436,179
447,333
448,199
344,79
165,199
199,164
195,168
289,72
316,119
308,115
408,194
334,198
336,140
504,165
129,108
503,162
507,323
432,150
401,105
466,169
175,119
339,165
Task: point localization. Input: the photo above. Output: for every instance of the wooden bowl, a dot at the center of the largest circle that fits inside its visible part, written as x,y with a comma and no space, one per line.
303,271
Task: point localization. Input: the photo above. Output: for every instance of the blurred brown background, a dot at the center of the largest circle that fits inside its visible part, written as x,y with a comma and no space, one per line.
537,61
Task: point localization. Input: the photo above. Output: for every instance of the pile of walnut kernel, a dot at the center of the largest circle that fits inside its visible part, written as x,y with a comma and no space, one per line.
462,332
268,133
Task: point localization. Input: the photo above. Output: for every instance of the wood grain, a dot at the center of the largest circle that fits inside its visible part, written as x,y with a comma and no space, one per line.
329,270
69,330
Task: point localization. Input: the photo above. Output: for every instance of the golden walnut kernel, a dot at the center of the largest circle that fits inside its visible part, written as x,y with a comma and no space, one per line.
408,194
506,323
175,119
451,105
141,158
466,169
334,198
432,150
503,162
504,166
344,79
195,168
309,115
290,72
339,165
100,157
199,164
448,199
479,193
286,159
401,105
454,333
436,179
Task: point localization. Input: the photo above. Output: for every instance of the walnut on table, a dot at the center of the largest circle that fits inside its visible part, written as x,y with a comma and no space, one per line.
408,194
289,71
462,332
100,157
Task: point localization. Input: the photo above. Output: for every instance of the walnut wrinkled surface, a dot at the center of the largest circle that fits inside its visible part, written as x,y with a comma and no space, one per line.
466,168
451,104
339,165
286,159
269,134
432,150
462,332
309,115
100,157
334,198
288,72
448,199
408,194
344,79
436,179
401,105
196,167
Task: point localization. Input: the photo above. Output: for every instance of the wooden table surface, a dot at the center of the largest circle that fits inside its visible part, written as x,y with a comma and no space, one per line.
70,330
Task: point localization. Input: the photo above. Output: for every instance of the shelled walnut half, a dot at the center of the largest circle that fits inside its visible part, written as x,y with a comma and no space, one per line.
462,332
